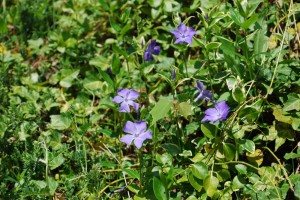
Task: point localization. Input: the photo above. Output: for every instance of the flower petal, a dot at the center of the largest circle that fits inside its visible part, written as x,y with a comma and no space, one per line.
124,107
135,105
188,39
182,28
140,126
178,40
223,109
190,32
123,92
132,95
118,99
211,115
146,135
156,50
207,95
176,34
130,128
199,86
127,139
148,56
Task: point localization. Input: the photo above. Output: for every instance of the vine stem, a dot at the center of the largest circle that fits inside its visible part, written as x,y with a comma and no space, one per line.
281,166
279,54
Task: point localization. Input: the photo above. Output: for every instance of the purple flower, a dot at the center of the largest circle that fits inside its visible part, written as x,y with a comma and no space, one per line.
126,97
183,34
137,133
207,95
173,74
151,49
219,112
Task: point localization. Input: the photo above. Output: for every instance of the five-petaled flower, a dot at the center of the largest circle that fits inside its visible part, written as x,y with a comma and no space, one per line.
126,98
207,95
136,133
219,112
151,49
183,34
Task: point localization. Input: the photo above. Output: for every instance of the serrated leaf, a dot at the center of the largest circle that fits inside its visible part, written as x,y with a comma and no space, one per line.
160,110
159,189
210,184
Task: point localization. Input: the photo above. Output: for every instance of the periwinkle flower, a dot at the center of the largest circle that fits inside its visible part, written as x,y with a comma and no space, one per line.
152,48
126,98
173,74
218,113
136,133
207,95
183,34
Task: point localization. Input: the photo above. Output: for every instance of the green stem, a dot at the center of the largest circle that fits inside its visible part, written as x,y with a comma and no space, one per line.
185,64
140,170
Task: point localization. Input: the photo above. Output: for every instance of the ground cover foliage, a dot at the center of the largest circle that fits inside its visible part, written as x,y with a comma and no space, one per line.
98,102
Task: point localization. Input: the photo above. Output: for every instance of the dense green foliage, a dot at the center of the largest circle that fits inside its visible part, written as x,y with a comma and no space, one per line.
62,63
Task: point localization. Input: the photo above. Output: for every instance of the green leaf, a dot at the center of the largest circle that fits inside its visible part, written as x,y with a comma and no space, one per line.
39,184
291,155
196,183
52,185
116,64
250,21
242,169
160,110
67,77
212,45
171,148
184,108
107,78
297,190
238,95
209,130
229,151
60,122
159,189
164,158
3,128
238,182
114,25
248,145
132,173
293,102
210,184
260,43
56,162
227,46
199,170
3,25
236,17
